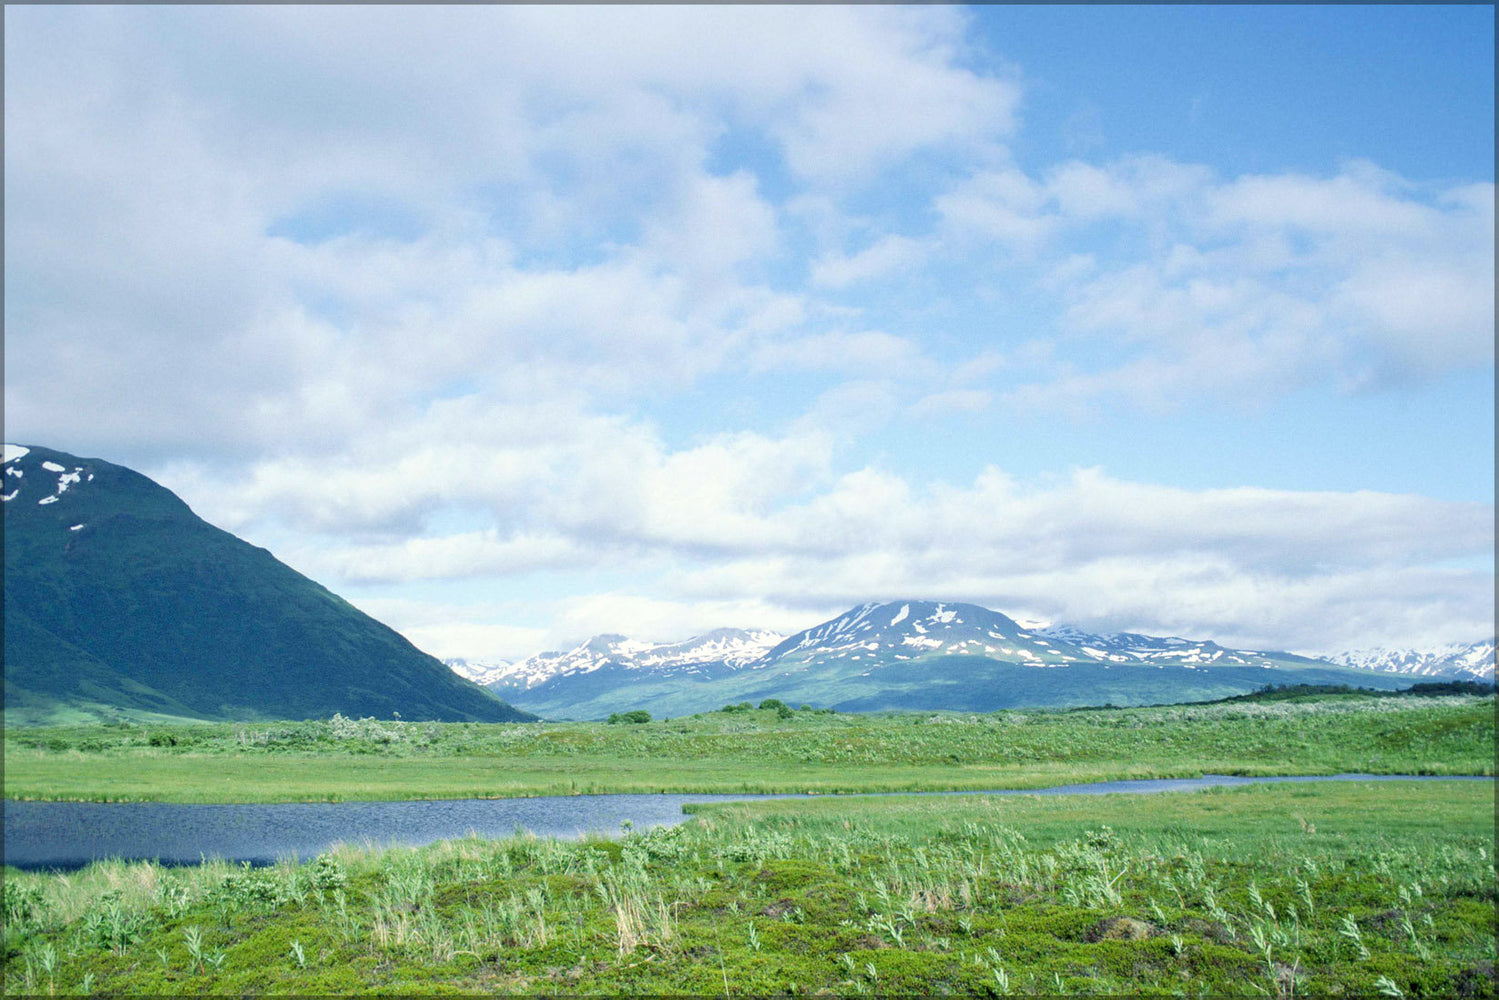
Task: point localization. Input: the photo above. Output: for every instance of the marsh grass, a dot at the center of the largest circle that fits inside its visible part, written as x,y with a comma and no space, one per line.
756,750
1217,892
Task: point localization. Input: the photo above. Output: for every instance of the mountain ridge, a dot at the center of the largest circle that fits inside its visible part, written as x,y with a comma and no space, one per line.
886,654
120,601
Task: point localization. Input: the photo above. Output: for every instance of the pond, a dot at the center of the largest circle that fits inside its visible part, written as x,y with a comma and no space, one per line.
69,835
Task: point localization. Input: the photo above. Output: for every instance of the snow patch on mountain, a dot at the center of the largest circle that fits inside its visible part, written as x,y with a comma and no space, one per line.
1463,661
735,648
66,477
481,672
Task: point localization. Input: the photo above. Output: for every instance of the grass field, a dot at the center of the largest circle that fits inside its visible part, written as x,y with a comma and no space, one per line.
1330,889
748,751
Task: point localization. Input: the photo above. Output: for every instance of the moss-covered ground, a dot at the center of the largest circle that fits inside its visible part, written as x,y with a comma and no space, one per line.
1328,889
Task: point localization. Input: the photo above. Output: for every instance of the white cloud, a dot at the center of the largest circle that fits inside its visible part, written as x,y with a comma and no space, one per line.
1245,289
1250,565
886,255
864,351
346,275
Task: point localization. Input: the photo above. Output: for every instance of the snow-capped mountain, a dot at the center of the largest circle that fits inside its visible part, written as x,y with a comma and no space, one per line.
729,647
905,655
481,672
1460,661
908,630
1132,647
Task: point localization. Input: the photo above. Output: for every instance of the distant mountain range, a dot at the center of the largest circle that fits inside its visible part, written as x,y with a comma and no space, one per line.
120,602
1461,661
926,655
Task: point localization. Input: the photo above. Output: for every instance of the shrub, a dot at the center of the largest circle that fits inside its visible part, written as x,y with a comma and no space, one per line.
248,888
635,717
327,873
22,904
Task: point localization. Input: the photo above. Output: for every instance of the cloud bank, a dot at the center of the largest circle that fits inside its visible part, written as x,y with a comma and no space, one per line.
630,302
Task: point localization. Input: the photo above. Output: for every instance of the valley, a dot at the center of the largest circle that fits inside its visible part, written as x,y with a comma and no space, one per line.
152,658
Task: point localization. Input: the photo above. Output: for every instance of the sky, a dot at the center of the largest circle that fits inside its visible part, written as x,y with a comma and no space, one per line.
518,324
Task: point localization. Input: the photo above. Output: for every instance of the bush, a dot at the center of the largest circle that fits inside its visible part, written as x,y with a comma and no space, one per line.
635,717
248,887
773,703
22,904
327,873
162,740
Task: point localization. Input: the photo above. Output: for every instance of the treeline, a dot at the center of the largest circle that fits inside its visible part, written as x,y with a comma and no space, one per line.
1426,689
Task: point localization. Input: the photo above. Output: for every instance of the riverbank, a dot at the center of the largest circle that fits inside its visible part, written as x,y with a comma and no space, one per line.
1325,888
67,836
755,751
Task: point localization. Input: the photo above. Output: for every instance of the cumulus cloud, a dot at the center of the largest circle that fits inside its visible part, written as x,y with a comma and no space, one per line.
1247,287
347,277
1251,565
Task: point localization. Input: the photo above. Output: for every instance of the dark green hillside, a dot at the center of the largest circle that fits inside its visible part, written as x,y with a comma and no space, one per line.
119,599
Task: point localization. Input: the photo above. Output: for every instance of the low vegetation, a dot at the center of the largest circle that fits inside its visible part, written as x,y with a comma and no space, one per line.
745,748
1329,889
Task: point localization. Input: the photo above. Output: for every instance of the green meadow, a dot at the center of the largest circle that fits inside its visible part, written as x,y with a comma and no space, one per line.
1322,888
774,749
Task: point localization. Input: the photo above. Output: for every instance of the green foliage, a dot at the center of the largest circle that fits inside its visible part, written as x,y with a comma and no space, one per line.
248,887
636,717
22,905
327,874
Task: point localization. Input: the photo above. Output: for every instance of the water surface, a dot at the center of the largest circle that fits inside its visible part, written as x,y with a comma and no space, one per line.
69,835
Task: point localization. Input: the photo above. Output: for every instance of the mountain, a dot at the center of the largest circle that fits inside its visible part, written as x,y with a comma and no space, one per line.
725,647
481,672
905,655
1457,661
120,601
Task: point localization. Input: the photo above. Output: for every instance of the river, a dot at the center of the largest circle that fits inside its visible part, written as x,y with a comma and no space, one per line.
69,835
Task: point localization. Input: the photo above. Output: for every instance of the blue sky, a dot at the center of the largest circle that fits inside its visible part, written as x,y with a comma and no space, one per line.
518,324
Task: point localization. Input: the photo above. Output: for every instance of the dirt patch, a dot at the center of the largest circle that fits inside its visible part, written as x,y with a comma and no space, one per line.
1210,931
779,908
1477,981
1122,929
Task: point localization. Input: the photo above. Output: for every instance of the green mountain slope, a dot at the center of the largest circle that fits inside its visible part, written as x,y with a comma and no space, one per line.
119,599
